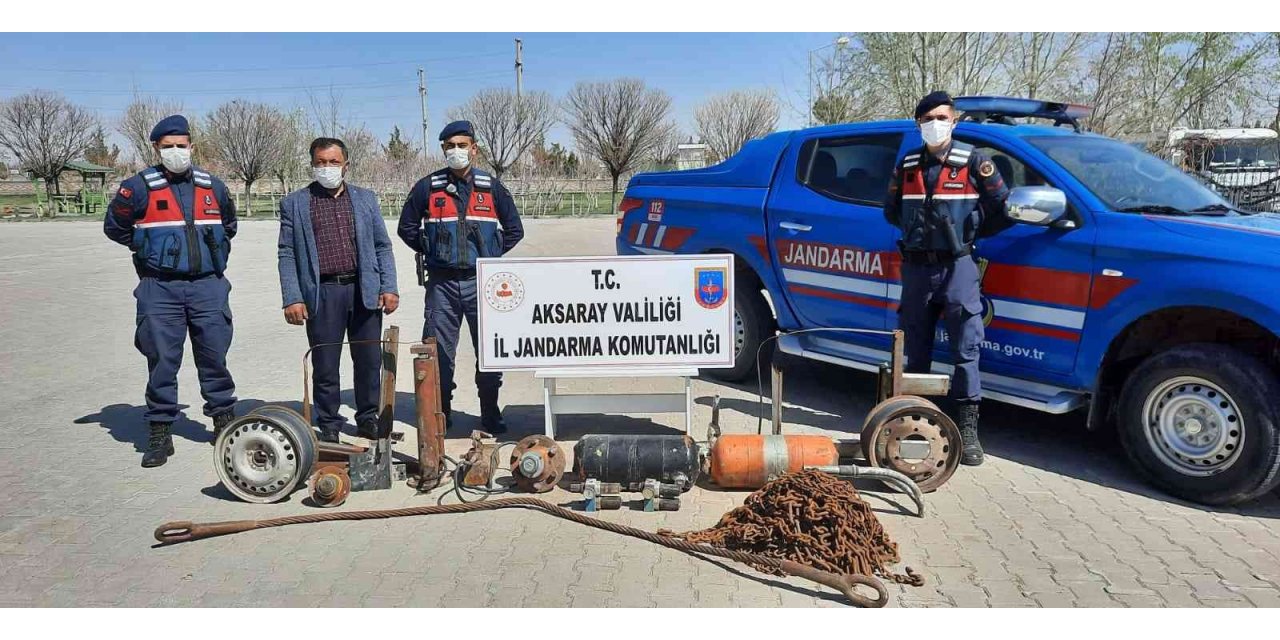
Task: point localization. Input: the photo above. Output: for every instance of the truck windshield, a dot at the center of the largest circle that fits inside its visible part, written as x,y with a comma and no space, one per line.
1239,155
1127,179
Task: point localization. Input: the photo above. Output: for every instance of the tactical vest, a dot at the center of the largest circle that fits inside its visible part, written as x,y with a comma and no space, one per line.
166,240
455,238
929,219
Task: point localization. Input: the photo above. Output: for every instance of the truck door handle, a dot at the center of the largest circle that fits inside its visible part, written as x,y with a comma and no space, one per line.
795,226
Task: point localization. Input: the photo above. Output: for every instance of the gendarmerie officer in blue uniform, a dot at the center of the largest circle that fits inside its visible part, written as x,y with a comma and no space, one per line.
943,197
178,220
452,217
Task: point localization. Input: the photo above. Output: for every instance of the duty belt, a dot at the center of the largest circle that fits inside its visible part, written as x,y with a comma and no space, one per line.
167,277
435,273
933,257
339,278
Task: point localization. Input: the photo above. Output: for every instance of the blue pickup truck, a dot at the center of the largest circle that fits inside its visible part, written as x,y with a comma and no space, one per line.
1128,292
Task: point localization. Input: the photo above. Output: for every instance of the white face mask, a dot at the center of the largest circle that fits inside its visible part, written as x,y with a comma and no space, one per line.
458,159
935,132
176,159
328,177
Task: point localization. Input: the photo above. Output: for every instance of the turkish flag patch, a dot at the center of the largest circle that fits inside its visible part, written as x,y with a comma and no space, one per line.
126,192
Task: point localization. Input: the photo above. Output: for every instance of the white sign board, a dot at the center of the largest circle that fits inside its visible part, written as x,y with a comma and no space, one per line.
616,311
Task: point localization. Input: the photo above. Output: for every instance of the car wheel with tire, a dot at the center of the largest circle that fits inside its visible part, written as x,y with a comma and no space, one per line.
753,323
1202,423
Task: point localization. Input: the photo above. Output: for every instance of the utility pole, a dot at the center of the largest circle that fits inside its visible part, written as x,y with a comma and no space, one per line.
519,68
422,96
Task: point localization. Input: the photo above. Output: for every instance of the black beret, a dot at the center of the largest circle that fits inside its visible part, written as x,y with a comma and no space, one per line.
933,101
457,128
171,126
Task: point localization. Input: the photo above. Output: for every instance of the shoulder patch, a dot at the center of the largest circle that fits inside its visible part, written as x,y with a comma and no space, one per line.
126,192
986,169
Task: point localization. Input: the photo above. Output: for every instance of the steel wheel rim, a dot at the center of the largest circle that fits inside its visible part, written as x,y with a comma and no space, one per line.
739,334
1193,426
259,460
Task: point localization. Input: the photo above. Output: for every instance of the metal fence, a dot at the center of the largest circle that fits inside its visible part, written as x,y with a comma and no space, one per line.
537,199
1242,165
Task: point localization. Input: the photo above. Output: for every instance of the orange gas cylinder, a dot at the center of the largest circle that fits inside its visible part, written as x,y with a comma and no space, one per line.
748,461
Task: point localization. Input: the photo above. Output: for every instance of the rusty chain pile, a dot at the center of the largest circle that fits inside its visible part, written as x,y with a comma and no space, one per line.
845,582
812,518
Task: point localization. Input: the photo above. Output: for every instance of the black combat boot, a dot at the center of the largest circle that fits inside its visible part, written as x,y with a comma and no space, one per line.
220,422
159,445
491,419
329,434
367,429
971,450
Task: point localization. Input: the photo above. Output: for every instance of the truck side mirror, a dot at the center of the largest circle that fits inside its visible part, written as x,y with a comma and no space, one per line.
1040,206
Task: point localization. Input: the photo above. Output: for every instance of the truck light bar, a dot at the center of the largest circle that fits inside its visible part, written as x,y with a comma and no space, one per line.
1000,109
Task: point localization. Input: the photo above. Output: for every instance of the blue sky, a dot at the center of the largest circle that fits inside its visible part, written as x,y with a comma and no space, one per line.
101,71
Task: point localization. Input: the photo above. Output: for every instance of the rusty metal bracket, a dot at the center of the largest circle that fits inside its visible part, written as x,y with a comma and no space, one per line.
479,461
894,381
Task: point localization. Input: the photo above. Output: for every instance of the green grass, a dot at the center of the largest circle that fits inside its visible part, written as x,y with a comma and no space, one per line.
16,200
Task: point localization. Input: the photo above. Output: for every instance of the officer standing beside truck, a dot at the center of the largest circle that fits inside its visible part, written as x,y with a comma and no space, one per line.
452,217
943,197
178,221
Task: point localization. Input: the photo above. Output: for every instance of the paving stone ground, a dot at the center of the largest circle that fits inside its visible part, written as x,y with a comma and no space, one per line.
1055,518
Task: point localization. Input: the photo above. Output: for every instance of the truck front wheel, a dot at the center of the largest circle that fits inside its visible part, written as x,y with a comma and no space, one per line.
752,324
1201,422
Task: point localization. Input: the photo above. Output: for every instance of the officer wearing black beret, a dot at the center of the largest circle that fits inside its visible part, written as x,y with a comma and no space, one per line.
178,221
943,197
453,217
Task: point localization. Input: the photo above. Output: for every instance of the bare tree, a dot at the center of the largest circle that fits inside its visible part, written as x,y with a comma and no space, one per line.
294,163
620,123
726,122
507,126
668,150
363,150
249,138
139,118
1107,83
1041,63
328,118
44,131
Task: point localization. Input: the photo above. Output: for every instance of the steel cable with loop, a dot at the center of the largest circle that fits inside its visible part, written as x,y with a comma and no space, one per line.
184,531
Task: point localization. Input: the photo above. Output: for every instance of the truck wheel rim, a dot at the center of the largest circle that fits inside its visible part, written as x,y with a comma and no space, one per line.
1193,426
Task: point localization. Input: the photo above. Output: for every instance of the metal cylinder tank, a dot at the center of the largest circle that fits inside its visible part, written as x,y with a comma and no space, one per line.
748,461
630,460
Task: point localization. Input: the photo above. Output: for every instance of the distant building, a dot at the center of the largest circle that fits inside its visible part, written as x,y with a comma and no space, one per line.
691,155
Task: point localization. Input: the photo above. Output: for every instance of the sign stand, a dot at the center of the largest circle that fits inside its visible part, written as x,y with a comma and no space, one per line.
556,403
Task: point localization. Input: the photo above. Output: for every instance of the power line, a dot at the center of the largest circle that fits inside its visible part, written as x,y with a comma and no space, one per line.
187,72
372,85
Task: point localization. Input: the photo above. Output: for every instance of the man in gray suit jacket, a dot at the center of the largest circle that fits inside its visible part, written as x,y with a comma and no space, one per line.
338,277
